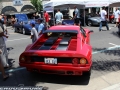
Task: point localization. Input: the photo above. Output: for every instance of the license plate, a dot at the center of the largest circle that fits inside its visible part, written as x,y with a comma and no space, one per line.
50,60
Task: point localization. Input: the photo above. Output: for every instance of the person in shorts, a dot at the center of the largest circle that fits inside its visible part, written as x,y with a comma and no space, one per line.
34,34
5,76
104,19
117,16
76,16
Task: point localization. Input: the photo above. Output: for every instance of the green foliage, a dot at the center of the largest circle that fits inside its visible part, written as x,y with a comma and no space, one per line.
40,7
37,4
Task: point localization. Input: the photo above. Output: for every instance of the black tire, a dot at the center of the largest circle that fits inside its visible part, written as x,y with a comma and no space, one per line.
112,21
89,23
15,30
88,73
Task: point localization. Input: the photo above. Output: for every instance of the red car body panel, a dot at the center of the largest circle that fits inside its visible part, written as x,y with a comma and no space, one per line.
111,17
79,47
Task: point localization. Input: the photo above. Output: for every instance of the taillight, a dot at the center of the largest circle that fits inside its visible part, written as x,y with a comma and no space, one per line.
75,61
22,59
83,61
28,59
25,59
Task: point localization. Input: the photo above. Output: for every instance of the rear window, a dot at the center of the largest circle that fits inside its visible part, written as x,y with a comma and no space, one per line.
57,33
61,31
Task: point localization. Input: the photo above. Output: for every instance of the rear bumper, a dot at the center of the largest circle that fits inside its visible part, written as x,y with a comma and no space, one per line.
53,69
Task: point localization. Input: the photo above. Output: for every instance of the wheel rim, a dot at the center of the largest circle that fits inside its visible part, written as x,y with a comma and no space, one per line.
112,21
89,23
23,31
15,29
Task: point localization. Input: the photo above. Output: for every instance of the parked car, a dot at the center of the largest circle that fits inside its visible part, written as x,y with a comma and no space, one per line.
111,18
65,17
23,24
91,20
63,50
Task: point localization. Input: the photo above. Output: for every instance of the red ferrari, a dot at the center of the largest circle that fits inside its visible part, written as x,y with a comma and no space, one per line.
63,50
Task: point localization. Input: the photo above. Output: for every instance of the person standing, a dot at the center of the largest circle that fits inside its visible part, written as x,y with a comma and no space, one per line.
13,21
2,68
41,28
117,16
46,16
103,16
4,25
58,17
76,16
4,55
34,34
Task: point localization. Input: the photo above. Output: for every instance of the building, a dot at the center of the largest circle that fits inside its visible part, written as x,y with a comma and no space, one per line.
12,6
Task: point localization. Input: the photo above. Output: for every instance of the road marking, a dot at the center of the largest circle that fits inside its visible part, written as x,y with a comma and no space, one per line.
18,39
113,87
113,44
110,48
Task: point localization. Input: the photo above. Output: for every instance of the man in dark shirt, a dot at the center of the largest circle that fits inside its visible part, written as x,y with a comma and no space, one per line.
76,16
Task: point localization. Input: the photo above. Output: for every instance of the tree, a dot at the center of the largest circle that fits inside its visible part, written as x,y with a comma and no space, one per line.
37,4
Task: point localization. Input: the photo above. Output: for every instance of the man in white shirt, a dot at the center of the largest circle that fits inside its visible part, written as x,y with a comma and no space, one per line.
103,15
117,16
34,34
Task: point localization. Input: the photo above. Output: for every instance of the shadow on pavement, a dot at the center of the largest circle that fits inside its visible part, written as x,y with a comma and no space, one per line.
57,79
113,65
36,79
117,34
9,48
11,62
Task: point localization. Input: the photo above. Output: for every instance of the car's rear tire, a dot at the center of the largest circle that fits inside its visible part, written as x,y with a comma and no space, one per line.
15,30
88,73
112,21
89,23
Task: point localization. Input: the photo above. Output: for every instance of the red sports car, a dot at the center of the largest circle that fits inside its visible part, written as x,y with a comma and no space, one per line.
63,50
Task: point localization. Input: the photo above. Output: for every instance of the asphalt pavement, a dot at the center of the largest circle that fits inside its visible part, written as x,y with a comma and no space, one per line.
105,69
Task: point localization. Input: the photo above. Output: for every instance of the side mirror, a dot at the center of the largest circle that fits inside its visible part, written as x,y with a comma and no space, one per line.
90,31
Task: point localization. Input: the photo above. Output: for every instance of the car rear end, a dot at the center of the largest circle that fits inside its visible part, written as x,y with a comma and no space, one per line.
63,64
57,55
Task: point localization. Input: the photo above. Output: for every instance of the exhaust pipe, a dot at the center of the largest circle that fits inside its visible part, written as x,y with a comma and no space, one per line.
70,72
35,70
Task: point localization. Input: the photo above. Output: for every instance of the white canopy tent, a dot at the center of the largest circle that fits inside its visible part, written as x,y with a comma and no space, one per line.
63,4
81,4
54,4
114,3
96,4
101,3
